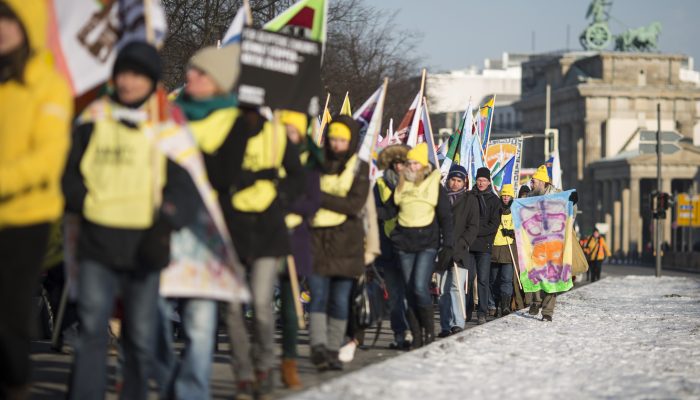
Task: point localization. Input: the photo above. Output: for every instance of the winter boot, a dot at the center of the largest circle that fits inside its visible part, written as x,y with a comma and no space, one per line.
245,390
289,373
481,319
534,309
547,318
427,322
505,307
319,357
334,363
415,329
265,385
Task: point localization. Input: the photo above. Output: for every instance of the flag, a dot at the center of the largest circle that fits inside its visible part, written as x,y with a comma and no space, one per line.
543,235
554,169
233,34
369,116
389,138
502,175
475,157
325,119
306,18
426,132
408,128
345,108
465,147
485,117
85,37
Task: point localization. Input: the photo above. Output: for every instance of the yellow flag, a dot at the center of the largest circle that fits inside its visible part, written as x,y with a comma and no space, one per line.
345,108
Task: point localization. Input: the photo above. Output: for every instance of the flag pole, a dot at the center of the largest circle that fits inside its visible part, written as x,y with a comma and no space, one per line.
294,280
512,258
430,127
248,13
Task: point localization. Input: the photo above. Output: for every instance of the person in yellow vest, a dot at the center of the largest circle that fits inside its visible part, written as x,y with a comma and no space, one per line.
35,112
596,250
424,225
338,241
503,255
391,161
244,154
301,212
130,198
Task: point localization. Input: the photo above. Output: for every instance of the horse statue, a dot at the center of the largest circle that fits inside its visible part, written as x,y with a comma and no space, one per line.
645,38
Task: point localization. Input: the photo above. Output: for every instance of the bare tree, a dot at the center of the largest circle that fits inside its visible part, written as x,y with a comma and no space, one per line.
363,46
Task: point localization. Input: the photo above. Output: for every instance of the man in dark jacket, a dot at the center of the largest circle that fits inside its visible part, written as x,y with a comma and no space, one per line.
480,251
456,267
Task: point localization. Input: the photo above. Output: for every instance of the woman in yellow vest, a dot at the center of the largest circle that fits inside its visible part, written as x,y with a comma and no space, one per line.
244,153
424,225
596,250
503,254
338,241
35,113
129,198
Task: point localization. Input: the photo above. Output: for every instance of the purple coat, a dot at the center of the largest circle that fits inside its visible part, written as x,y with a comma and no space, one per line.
300,237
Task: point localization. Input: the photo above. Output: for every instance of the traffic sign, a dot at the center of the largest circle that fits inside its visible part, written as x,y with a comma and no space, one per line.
666,136
666,148
684,209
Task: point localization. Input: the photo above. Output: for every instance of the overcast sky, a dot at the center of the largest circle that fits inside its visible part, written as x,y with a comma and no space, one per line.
495,26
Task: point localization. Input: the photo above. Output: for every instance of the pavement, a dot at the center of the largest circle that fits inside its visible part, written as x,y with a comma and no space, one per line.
51,369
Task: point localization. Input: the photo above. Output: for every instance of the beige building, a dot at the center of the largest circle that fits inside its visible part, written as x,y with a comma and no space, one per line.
600,102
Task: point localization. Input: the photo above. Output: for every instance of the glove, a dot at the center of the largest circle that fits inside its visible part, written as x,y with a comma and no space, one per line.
573,197
444,261
508,233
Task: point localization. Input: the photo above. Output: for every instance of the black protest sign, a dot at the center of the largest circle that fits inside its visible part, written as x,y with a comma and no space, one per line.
279,71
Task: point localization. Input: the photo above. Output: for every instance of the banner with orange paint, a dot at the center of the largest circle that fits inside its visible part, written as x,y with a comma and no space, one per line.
543,234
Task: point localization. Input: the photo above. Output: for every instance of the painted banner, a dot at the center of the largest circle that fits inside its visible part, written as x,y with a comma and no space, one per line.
543,234
498,154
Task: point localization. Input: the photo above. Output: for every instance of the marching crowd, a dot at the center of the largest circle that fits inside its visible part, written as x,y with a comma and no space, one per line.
291,198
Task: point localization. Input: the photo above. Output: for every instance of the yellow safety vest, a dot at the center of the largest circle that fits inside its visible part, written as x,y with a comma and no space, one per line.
506,223
417,202
263,151
117,170
384,195
336,185
210,132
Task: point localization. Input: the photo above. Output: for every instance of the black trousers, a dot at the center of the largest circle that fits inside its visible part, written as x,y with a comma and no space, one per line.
21,253
596,267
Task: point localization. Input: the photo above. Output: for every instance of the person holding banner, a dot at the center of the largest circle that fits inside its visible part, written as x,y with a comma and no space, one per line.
130,198
480,251
424,225
503,256
298,223
35,115
455,266
338,241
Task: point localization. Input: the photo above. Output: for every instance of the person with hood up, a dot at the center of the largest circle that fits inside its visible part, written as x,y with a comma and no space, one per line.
503,255
35,114
129,198
244,154
424,225
465,212
480,251
338,241
541,185
392,161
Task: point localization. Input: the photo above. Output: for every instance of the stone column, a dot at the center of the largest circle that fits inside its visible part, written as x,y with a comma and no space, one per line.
617,216
635,216
627,217
608,209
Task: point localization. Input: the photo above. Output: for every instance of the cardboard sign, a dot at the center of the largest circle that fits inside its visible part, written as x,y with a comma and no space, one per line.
279,71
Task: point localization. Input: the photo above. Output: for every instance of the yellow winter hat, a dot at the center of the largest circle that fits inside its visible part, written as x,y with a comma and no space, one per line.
338,130
295,119
419,154
541,174
508,190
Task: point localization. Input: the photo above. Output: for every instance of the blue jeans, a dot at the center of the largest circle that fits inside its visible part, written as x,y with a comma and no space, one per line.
483,276
98,287
397,299
190,377
329,309
452,313
417,269
501,280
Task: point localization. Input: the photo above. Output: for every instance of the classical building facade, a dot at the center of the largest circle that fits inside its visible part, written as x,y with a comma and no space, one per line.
600,102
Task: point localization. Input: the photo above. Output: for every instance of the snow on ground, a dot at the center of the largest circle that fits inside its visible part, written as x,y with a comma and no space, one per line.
629,337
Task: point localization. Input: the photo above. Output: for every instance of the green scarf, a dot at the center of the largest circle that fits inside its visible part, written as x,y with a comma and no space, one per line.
196,110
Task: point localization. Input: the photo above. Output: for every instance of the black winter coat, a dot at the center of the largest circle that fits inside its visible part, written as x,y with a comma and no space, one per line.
466,217
489,219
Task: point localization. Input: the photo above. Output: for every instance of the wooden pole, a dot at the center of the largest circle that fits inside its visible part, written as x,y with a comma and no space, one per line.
248,13
512,258
292,270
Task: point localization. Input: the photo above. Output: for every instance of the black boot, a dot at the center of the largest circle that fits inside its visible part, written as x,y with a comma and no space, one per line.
505,306
319,357
415,329
427,322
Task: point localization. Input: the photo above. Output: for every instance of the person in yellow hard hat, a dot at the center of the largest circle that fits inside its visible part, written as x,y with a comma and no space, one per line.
424,225
503,255
35,113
